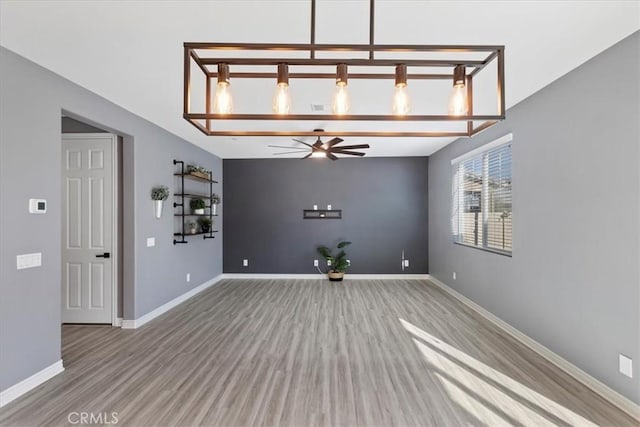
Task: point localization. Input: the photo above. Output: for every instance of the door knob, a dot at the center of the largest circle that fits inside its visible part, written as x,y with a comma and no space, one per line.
104,255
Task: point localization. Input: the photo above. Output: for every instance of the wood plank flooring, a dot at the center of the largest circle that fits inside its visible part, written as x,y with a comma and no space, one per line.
311,352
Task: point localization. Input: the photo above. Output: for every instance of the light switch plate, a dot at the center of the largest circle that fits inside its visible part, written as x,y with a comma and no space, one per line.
28,260
151,241
328,207
626,366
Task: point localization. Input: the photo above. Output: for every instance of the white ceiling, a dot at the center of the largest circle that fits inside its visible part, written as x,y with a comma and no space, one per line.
130,52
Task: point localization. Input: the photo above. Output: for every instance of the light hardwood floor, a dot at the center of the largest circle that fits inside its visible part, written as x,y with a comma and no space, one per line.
311,352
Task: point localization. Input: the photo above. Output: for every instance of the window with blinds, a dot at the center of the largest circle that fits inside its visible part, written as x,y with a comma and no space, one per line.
481,214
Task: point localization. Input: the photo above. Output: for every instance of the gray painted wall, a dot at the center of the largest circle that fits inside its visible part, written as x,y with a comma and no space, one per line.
383,202
573,282
32,101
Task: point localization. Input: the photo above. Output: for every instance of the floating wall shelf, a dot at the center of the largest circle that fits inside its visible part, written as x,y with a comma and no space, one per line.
322,214
182,203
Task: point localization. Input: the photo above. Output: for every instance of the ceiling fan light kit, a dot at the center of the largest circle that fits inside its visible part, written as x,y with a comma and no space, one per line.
321,149
228,63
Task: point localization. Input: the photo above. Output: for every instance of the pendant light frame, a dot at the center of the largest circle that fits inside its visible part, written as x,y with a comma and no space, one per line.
254,63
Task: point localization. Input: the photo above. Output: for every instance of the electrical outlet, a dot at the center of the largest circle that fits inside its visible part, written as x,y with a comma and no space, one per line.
406,263
315,207
454,275
349,262
626,365
328,263
315,262
328,207
188,277
151,241
245,263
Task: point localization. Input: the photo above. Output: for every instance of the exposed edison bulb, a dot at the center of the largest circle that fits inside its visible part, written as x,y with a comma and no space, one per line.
341,102
401,100
223,101
282,99
458,101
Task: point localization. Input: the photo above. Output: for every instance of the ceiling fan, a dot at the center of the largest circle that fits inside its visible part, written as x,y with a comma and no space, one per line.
323,149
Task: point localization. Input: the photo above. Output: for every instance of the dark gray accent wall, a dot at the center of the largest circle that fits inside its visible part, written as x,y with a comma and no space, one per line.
573,283
383,202
32,100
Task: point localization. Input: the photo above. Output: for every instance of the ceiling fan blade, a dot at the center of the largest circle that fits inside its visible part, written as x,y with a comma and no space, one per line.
353,146
301,142
307,156
351,153
333,142
291,148
331,156
289,152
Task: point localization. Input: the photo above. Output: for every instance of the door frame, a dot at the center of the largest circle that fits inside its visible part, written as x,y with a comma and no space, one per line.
115,321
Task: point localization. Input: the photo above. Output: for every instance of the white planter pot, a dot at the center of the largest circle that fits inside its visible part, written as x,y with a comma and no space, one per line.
198,211
159,208
214,209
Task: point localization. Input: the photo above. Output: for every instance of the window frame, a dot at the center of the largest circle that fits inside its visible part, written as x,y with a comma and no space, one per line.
455,164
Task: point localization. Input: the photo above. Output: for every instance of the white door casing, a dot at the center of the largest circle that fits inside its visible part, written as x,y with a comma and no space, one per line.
88,224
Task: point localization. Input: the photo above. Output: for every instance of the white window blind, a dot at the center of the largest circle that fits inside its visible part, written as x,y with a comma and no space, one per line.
481,213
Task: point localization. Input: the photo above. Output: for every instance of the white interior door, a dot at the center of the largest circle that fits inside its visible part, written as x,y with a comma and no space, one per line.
87,228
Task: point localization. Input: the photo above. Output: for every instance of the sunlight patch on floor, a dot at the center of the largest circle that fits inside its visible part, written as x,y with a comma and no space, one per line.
486,393
472,405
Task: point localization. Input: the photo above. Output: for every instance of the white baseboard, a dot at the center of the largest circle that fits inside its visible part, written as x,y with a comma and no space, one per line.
117,323
319,276
602,389
30,383
133,324
128,324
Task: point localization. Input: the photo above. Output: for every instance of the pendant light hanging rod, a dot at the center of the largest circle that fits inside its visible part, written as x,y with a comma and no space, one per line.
371,23
312,52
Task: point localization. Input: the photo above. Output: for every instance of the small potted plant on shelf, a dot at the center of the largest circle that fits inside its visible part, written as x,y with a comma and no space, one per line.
192,228
339,262
197,206
205,224
215,201
198,171
159,194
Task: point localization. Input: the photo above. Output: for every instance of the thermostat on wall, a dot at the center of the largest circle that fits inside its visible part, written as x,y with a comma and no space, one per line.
37,206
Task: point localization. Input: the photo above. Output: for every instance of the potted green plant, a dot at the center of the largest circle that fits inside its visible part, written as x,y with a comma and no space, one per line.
215,201
192,228
197,205
159,194
338,262
205,224
198,171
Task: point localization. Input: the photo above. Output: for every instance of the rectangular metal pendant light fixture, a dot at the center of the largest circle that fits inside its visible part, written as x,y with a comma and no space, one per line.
222,64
